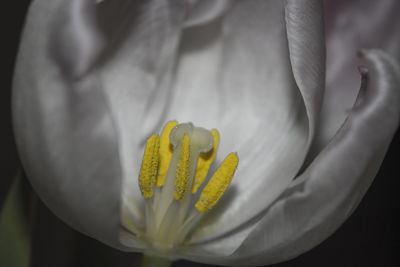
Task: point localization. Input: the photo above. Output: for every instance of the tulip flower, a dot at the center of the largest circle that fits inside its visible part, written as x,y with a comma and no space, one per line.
96,81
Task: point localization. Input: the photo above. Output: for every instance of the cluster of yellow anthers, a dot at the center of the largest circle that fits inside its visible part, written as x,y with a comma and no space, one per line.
174,167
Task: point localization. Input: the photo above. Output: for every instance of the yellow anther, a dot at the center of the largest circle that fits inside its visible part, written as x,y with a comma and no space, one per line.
148,171
218,183
204,163
165,152
182,169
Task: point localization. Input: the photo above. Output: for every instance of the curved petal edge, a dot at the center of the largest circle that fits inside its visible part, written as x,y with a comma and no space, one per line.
329,190
306,42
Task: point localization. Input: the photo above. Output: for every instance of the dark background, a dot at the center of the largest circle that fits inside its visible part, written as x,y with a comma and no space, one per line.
368,238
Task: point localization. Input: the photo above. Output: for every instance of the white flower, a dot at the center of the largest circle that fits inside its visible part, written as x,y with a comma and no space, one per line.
95,80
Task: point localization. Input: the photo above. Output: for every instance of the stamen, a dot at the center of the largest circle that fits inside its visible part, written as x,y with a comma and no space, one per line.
218,183
182,169
174,166
166,151
148,171
204,162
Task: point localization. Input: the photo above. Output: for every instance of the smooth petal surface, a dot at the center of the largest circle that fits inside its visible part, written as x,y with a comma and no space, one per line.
64,131
318,202
350,26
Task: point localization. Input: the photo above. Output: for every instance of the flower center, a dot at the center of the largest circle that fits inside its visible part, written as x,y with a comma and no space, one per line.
174,167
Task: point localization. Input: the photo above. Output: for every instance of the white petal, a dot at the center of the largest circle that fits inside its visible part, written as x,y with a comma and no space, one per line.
330,189
352,26
65,135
